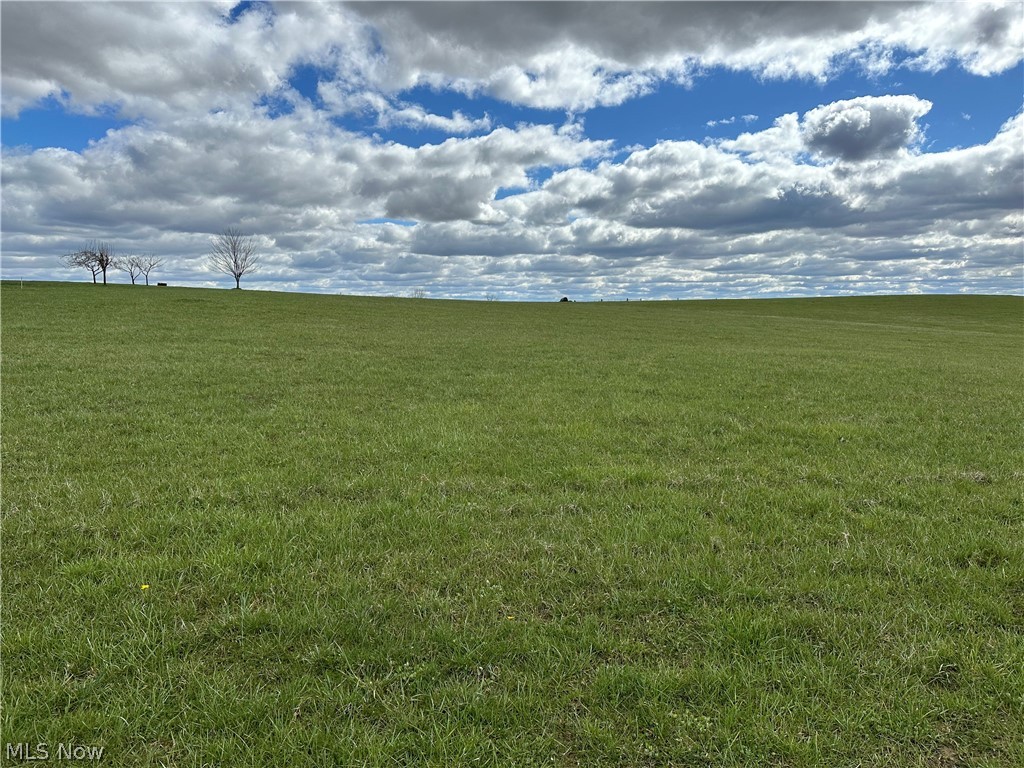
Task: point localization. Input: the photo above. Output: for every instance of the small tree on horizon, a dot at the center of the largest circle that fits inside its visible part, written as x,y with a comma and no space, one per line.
81,259
147,264
97,257
131,264
105,257
234,254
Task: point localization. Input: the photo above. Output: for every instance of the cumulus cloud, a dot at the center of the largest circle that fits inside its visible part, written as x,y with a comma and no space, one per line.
852,130
296,171
837,199
780,143
866,128
675,216
156,60
717,187
91,55
580,55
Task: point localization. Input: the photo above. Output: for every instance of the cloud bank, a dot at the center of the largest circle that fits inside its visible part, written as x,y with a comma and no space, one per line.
839,198
159,59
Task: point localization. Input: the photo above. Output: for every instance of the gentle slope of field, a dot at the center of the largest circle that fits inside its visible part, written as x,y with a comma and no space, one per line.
401,532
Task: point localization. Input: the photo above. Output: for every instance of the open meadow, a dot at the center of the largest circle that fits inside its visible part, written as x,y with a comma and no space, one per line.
267,529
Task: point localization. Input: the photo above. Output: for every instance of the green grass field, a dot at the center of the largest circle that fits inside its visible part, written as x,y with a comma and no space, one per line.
402,532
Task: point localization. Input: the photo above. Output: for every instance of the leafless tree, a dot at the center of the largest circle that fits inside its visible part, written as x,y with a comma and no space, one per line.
105,258
234,254
82,259
131,264
147,264
96,257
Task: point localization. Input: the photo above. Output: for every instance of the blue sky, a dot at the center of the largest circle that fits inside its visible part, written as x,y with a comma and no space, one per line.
524,150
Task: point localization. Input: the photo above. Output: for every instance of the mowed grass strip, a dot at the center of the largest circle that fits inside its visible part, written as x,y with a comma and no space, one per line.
406,532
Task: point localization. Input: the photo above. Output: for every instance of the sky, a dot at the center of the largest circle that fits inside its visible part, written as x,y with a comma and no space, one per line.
522,150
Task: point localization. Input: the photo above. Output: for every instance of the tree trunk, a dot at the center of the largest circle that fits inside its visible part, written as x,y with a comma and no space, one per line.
237,282
104,277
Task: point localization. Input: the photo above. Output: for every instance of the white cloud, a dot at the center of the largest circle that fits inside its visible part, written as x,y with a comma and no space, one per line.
839,199
578,55
298,171
151,59
731,120
866,128
679,216
415,116
780,143
390,112
161,59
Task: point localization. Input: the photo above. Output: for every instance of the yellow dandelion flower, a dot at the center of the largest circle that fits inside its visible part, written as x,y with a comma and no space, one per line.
145,586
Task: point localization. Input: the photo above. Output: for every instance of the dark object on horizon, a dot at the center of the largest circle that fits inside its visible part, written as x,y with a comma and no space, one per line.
564,298
161,285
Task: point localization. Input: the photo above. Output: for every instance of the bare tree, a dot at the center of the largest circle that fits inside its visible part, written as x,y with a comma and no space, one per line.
131,264
234,254
82,259
105,258
147,264
96,257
